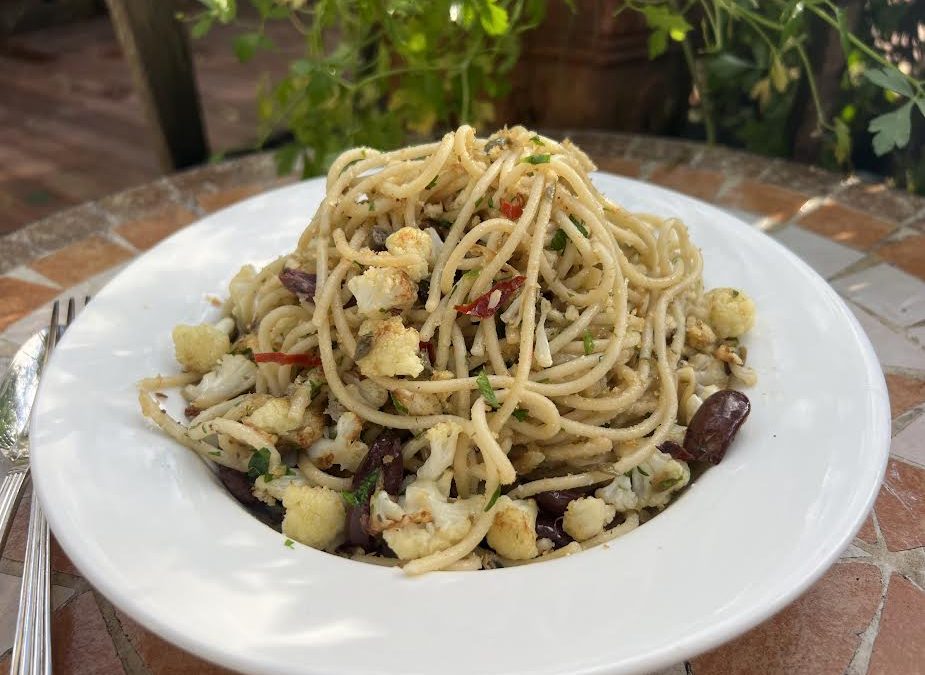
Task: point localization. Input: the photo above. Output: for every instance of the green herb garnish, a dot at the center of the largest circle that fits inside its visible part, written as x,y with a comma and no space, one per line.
580,225
519,414
494,498
259,464
472,274
536,159
402,410
667,483
431,184
314,388
588,342
360,496
491,202
372,206
215,453
485,387
559,240
642,471
288,543
537,140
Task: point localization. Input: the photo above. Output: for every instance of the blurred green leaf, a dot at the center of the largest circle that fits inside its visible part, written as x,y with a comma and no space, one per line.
842,141
202,26
247,44
891,130
890,79
494,19
658,43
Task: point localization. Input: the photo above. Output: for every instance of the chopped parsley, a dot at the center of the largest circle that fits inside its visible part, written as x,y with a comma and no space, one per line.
372,206
491,202
537,140
431,184
288,543
536,159
215,453
580,225
494,498
361,495
399,406
473,273
667,483
519,414
588,342
559,240
485,388
315,387
259,464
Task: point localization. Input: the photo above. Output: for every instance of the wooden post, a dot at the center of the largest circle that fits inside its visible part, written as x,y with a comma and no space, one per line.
155,45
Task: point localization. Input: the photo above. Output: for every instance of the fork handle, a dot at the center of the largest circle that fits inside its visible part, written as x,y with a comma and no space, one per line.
10,491
31,653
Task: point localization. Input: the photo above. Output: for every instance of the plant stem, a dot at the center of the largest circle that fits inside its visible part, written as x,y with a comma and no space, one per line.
813,90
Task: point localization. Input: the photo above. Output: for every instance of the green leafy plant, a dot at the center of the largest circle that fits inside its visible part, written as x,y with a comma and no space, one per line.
376,72
759,51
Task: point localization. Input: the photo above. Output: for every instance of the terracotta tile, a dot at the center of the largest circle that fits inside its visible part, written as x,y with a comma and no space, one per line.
15,250
732,162
884,202
899,647
5,664
817,634
847,226
259,169
65,227
770,200
905,392
901,506
59,560
139,202
618,165
145,232
19,298
701,183
909,254
80,640
82,260
597,144
213,201
868,533
805,178
163,658
667,150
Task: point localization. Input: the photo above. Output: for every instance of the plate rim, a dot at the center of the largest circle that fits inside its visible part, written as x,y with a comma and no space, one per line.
698,642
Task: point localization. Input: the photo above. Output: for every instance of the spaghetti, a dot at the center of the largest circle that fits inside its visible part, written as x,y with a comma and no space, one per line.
472,358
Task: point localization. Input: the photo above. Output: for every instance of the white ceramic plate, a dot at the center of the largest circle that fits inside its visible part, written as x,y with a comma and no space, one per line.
151,528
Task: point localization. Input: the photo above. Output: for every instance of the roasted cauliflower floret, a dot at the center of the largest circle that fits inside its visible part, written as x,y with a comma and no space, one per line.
198,348
732,313
344,449
413,242
234,375
428,522
394,350
309,431
315,516
273,416
272,490
513,532
619,493
660,477
699,335
382,288
587,517
418,402
442,439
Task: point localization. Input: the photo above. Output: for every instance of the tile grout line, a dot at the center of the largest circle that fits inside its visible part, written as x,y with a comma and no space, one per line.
128,656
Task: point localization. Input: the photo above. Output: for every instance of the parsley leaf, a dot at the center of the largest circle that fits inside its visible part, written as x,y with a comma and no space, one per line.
472,274
667,483
315,387
259,463
288,543
431,184
537,140
519,414
494,498
580,225
892,129
360,496
559,240
588,342
536,159
399,406
491,202
485,387
215,453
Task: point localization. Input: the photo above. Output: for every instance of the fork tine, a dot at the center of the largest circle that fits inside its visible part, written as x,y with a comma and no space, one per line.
71,311
52,330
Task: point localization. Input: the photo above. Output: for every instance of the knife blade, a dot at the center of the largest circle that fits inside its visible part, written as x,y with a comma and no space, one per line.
17,394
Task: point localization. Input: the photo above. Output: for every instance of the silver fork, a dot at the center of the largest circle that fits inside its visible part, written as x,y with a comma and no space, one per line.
32,642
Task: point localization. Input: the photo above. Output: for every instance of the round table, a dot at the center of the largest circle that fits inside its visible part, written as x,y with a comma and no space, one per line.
864,616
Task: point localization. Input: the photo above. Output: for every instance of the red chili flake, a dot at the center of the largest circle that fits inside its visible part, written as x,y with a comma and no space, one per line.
307,360
513,209
191,411
482,307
